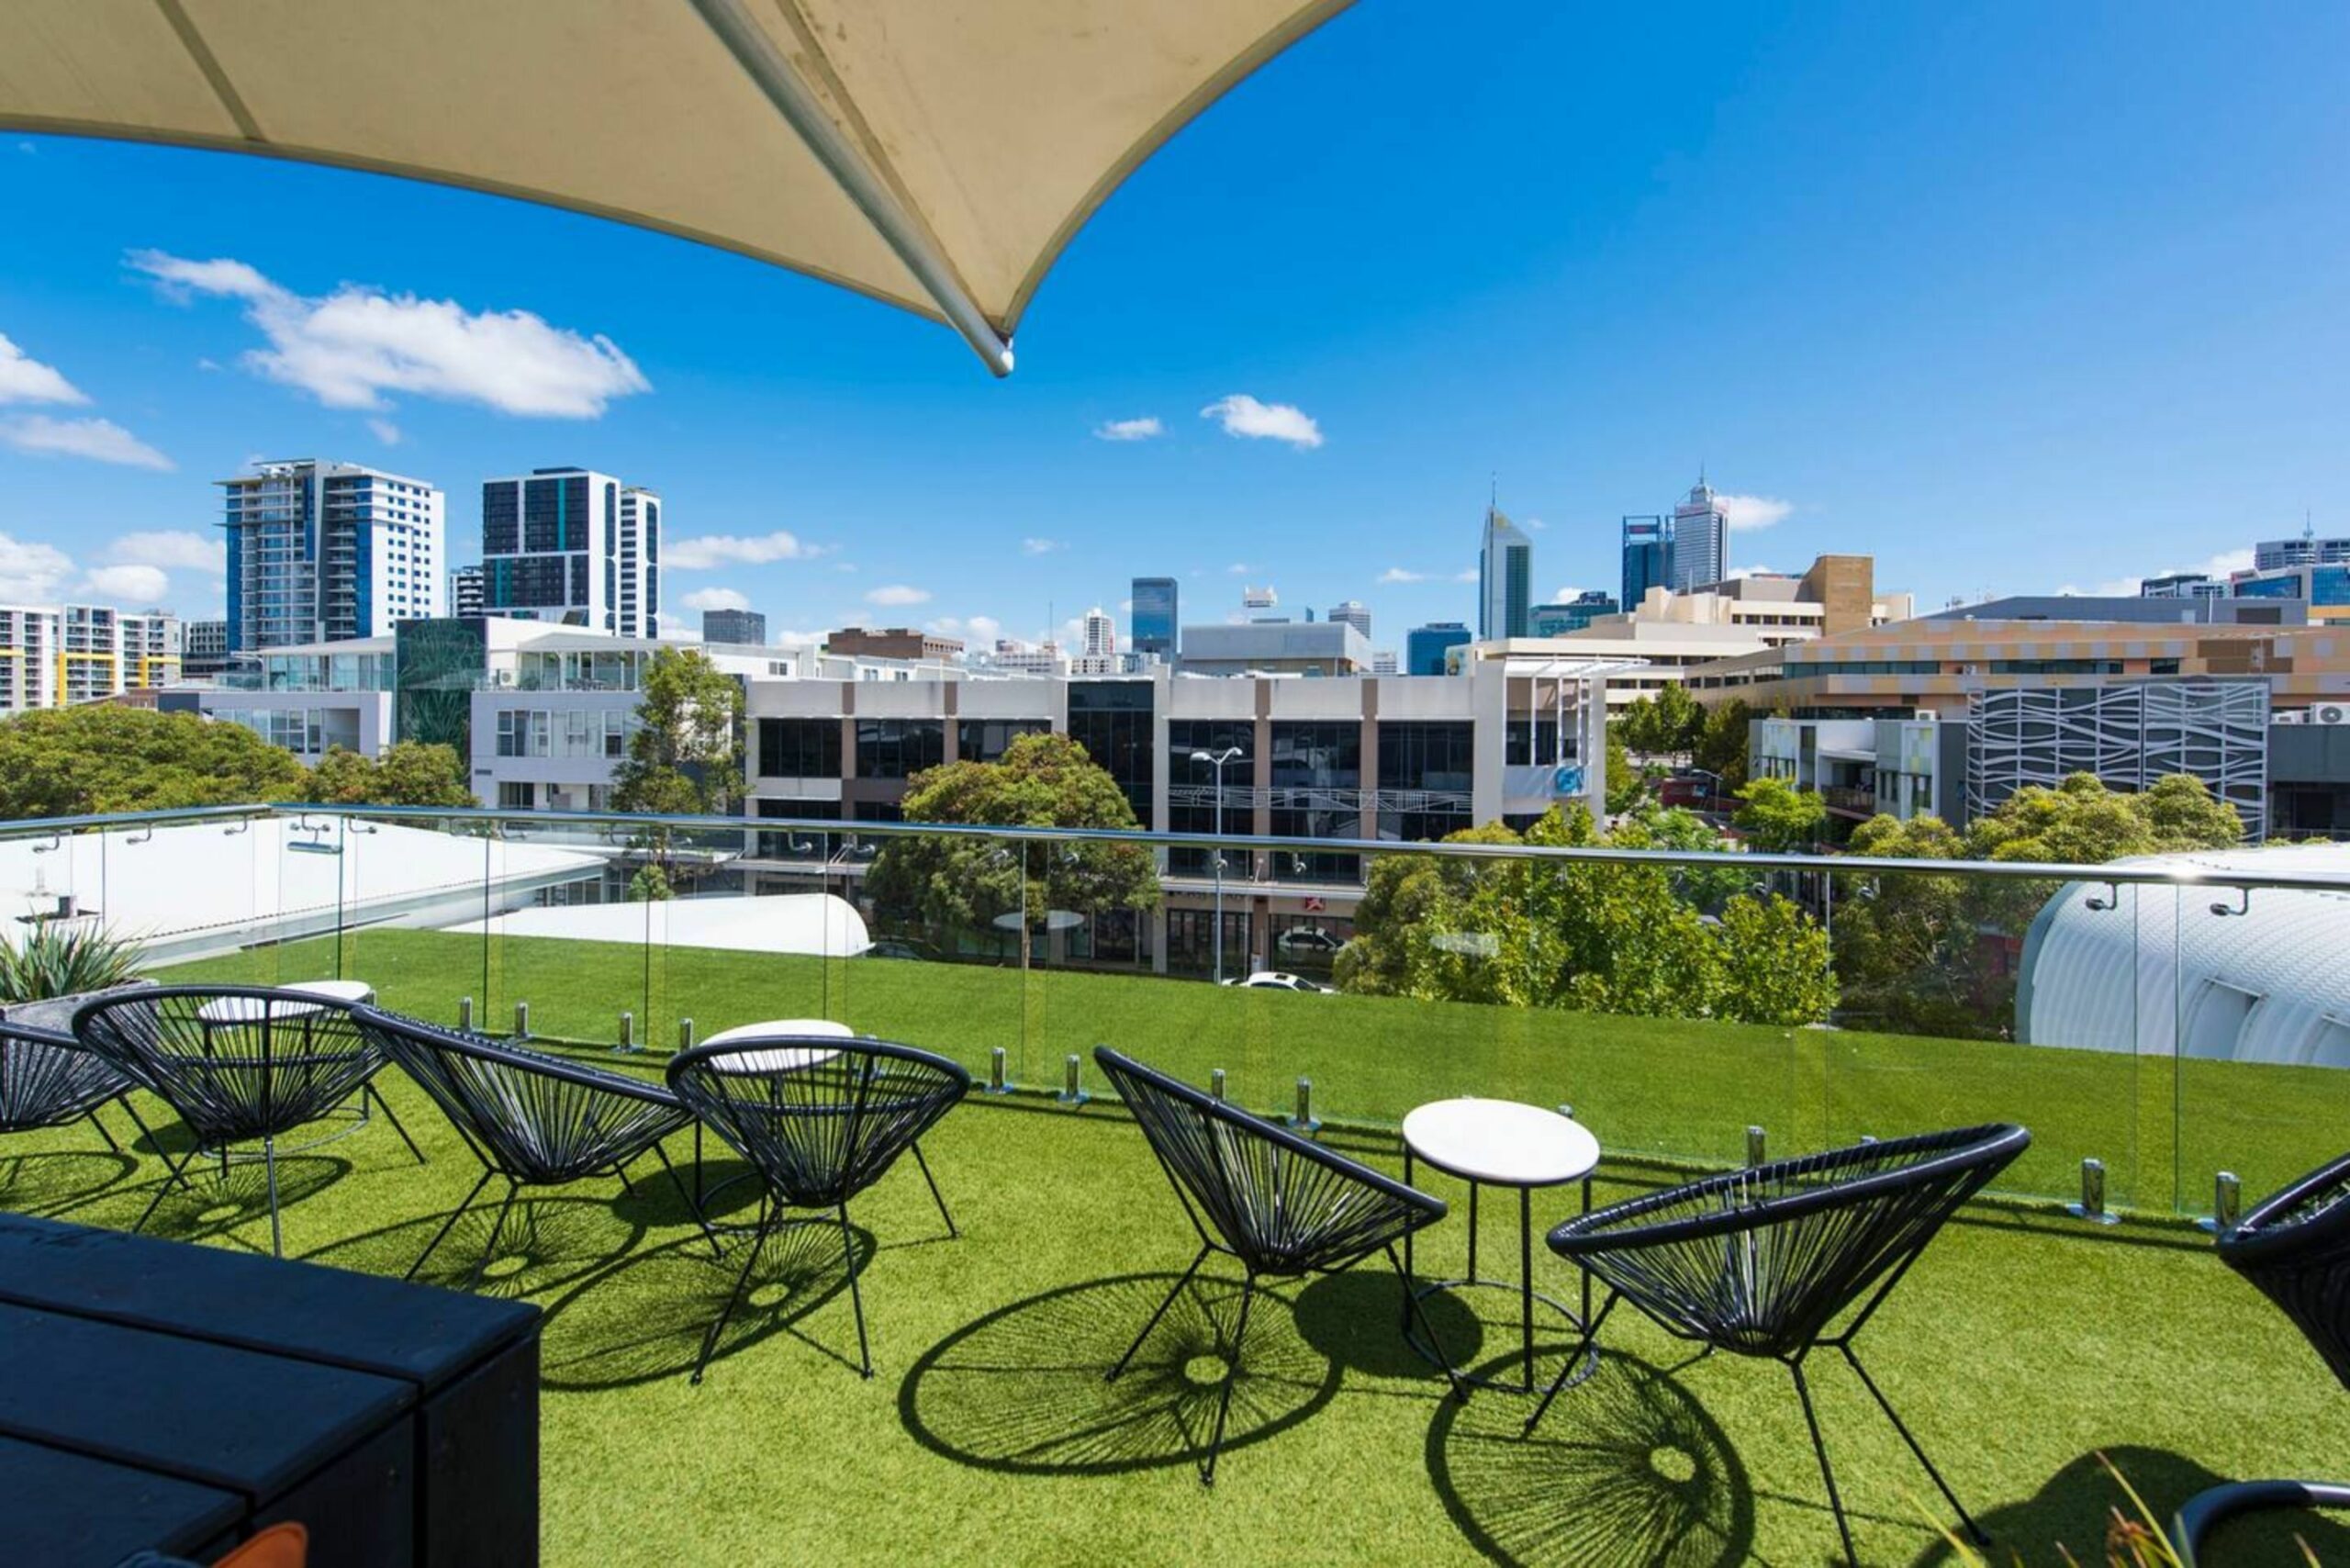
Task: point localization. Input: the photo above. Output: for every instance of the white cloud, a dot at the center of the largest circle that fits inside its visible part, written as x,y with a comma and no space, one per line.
1757,570
29,571
1398,575
713,550
978,630
717,599
796,639
1748,512
384,432
177,548
130,585
1467,575
1565,596
350,348
1242,415
26,380
1535,524
1040,546
1129,430
896,594
102,441
1238,569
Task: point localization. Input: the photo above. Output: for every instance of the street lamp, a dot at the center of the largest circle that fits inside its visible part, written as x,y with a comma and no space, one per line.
1217,760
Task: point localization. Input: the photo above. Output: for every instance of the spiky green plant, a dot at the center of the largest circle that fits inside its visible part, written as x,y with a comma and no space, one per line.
55,960
2130,1542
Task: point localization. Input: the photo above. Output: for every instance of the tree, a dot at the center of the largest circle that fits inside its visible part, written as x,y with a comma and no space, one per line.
1592,935
1666,724
2182,813
102,757
2079,822
409,773
1778,818
1720,747
1905,942
1626,785
969,883
685,755
1677,827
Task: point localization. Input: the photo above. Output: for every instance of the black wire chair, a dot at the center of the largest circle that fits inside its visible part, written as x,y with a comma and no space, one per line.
2294,1249
535,1119
820,1118
238,1064
47,1080
1279,1204
1771,1261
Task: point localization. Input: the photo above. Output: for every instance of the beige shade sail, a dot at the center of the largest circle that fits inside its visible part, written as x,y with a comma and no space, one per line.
936,154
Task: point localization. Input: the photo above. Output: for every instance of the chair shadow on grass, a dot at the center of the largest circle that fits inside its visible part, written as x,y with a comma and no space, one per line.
643,1318
1022,1390
1630,1470
59,1179
2070,1512
549,1240
212,1205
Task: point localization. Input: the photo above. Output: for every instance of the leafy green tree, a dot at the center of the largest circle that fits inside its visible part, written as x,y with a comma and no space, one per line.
686,755
102,757
1667,724
650,885
1591,935
1907,952
2182,813
1720,747
967,883
1778,818
1626,785
409,773
1677,827
1775,965
2079,822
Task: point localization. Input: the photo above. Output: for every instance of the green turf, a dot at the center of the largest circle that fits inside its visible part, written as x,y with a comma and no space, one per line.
1669,1089
2018,1346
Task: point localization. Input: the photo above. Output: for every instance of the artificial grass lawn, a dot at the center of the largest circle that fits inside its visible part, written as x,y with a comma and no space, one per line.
2016,1348
1675,1090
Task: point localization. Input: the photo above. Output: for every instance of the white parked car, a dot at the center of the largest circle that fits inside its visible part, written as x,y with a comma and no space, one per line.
1276,980
1307,939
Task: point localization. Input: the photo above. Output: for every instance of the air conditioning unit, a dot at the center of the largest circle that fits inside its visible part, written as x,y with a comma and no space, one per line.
2289,716
1923,715
2329,712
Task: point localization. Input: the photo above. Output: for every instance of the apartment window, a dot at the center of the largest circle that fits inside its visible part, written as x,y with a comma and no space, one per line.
799,748
986,740
1434,757
523,732
516,797
899,748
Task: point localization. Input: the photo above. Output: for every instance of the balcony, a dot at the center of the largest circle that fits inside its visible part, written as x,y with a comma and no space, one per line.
2024,1342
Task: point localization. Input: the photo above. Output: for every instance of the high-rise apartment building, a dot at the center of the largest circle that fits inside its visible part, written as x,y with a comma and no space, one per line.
2182,585
746,626
1505,578
1386,661
572,546
322,551
1648,557
1154,617
1100,636
1354,614
54,655
1424,646
1700,549
464,592
204,649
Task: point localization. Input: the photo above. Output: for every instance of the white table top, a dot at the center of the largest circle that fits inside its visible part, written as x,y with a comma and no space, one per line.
253,1009
1501,1141
788,1058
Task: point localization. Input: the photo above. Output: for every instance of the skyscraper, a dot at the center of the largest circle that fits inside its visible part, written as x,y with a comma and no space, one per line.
1424,646
464,591
1155,620
1700,540
734,626
1100,636
573,545
1353,613
322,551
1648,557
1505,577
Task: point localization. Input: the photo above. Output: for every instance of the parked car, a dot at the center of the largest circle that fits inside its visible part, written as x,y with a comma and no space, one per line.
1276,980
1308,939
901,947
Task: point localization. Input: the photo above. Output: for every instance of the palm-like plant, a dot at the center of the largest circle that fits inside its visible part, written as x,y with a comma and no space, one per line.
55,960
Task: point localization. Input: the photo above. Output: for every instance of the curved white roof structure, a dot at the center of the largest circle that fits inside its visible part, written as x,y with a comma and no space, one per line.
2159,972
815,925
932,154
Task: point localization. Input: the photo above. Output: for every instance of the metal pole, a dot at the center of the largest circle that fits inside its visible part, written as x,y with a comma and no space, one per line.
996,1083
1218,853
1755,1154
466,1012
521,1020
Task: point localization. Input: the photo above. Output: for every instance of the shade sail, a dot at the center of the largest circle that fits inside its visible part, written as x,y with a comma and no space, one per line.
936,154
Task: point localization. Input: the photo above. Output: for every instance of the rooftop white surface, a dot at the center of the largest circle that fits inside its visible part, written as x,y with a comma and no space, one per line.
811,924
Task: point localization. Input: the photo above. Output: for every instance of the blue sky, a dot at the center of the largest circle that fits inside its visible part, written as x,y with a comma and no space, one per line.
2022,298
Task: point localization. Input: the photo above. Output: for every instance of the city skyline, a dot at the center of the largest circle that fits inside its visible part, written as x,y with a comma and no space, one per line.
1980,345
